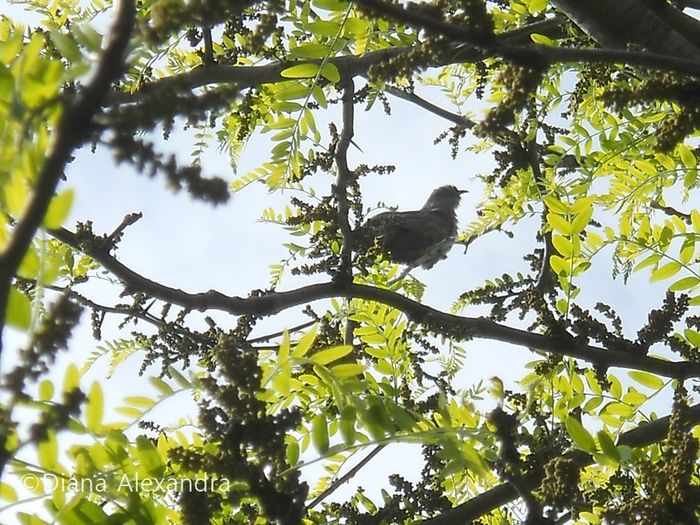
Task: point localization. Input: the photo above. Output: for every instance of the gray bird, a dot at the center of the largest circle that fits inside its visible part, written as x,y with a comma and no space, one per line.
416,238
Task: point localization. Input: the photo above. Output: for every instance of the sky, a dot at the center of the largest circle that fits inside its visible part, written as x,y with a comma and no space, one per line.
198,247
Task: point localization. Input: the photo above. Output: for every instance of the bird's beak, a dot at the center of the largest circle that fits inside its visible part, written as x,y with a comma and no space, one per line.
462,192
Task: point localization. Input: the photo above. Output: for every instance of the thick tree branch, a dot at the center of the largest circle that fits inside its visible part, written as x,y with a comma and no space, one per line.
513,45
535,54
643,435
349,66
72,130
662,29
459,328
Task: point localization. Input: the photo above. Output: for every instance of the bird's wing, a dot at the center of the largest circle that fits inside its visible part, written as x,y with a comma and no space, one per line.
407,236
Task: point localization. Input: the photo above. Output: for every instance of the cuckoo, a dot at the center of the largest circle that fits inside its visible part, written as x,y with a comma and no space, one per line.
416,238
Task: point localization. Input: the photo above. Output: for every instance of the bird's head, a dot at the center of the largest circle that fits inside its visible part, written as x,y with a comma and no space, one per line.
444,198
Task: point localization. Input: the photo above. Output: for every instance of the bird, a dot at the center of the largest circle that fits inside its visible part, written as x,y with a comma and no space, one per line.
416,238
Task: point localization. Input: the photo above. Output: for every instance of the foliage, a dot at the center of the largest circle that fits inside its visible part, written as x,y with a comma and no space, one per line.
593,128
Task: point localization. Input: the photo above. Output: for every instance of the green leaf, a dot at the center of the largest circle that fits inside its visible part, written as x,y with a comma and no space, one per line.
179,378
687,156
304,344
580,436
323,27
292,452
541,39
665,271
559,265
30,266
331,354
162,387
7,492
646,379
559,223
139,401
684,284
535,6
347,370
592,404
331,5
649,261
562,244
95,407
375,419
71,380
47,452
330,72
19,310
149,457
695,219
581,220
319,433
45,390
608,447
58,210
66,46
618,409
348,415
693,337
562,305
7,81
307,70
82,510
311,50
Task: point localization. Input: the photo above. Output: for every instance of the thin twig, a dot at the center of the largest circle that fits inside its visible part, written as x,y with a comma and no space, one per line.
345,477
437,110
296,328
668,210
116,235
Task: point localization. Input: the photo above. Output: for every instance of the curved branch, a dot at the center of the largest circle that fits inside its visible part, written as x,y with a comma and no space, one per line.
643,435
72,130
458,327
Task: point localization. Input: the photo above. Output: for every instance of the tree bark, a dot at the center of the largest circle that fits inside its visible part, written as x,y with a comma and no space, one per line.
648,24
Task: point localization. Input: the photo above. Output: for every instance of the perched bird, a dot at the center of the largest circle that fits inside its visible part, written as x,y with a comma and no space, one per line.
416,238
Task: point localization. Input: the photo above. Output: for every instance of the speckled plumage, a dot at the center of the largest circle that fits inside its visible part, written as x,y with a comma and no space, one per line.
421,237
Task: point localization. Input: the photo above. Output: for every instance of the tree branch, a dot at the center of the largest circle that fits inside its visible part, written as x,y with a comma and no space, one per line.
536,54
668,210
460,328
663,29
437,110
643,435
343,178
512,45
346,477
72,130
